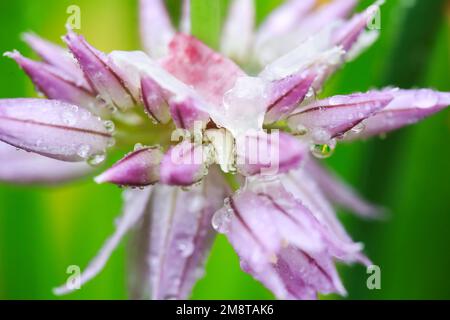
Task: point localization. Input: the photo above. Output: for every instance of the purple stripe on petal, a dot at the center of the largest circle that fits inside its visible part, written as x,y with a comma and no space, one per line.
18,166
154,101
156,29
139,168
53,128
186,114
407,107
181,236
55,85
134,208
238,30
336,115
100,73
268,154
183,165
57,57
287,94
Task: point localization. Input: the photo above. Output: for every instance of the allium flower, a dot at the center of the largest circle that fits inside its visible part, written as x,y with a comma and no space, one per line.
281,221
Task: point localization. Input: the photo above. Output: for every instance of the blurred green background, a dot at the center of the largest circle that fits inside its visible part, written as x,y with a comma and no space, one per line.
45,229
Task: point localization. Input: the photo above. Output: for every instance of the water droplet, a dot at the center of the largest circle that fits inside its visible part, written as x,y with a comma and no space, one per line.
84,151
186,248
109,126
358,128
97,159
322,151
222,218
138,146
301,130
69,118
426,98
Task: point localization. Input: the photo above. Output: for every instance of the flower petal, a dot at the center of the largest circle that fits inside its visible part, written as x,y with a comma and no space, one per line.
280,242
100,73
139,168
185,23
186,114
238,30
279,22
207,71
184,164
332,117
287,94
52,128
18,166
156,28
154,102
57,57
408,107
338,191
136,202
54,84
139,65
268,154
181,236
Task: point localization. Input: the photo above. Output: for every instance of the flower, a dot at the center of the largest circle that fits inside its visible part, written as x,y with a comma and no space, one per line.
280,221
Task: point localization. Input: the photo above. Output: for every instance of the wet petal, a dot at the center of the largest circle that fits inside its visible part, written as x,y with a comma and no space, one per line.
348,34
18,166
139,168
139,65
57,57
279,22
238,30
210,73
287,94
52,128
268,154
184,164
332,117
186,114
100,73
154,101
54,84
156,29
181,236
408,107
134,208
339,192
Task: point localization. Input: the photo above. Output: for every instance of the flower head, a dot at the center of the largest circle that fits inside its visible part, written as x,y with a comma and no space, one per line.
256,116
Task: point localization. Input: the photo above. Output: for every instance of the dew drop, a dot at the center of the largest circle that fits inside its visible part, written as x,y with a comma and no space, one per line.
109,126
138,146
322,151
186,249
426,98
97,159
83,151
358,128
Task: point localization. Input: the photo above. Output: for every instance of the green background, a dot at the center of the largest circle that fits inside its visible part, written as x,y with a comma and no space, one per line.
45,229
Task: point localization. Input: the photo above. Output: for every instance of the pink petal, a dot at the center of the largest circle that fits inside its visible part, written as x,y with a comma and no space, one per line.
54,84
52,128
186,114
57,57
408,107
156,29
135,206
269,154
183,165
347,35
18,166
154,102
287,94
139,168
283,19
181,236
336,115
100,73
238,30
199,66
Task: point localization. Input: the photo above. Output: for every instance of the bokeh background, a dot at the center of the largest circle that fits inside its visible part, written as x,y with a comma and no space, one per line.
45,229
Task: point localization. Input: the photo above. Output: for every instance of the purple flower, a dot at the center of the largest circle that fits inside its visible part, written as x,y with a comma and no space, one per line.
281,221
